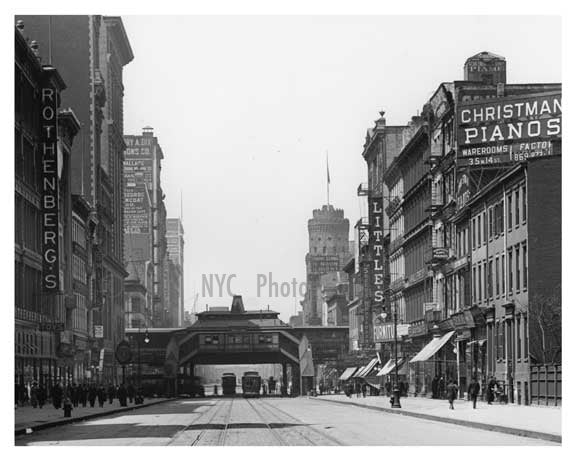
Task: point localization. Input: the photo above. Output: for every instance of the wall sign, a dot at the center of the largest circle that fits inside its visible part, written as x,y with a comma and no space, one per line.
377,243
508,130
49,151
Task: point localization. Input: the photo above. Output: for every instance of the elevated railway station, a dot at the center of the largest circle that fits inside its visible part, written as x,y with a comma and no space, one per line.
164,358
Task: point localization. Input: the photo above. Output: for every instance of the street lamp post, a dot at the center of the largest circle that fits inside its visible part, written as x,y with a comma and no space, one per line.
146,341
396,390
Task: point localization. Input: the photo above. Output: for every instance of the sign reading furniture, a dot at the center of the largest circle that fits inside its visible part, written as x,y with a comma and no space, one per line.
508,130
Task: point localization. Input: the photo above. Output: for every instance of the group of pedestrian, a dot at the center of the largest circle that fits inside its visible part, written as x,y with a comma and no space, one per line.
74,395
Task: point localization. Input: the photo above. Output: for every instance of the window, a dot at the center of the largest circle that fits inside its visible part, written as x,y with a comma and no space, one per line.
524,203
517,268
480,288
510,272
524,266
474,233
503,275
479,220
490,292
474,291
517,200
518,339
484,227
509,212
485,282
497,276
491,222
525,337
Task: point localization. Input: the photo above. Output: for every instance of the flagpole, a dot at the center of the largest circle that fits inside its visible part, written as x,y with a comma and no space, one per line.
327,179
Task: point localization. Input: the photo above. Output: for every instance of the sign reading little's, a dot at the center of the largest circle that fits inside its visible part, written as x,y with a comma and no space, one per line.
508,130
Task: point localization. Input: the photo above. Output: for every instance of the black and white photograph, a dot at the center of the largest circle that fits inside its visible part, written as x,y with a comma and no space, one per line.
285,230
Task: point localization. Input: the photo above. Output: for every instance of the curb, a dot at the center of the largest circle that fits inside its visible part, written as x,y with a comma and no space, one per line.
62,422
459,422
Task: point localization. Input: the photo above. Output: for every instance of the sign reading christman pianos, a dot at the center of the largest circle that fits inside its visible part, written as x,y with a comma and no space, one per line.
508,130
49,151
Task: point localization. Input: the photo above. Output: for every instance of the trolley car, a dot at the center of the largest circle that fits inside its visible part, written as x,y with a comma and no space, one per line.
251,384
228,384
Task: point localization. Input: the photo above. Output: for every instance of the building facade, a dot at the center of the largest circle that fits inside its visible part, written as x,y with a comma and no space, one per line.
175,242
145,214
459,246
95,64
44,300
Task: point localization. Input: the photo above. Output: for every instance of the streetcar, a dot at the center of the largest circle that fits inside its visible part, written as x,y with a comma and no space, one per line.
251,384
228,384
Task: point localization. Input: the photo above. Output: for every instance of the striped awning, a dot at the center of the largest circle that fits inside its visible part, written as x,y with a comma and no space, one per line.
390,366
432,347
367,369
347,373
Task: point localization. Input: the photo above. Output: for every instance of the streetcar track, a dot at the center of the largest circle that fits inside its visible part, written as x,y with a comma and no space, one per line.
273,408
223,432
272,430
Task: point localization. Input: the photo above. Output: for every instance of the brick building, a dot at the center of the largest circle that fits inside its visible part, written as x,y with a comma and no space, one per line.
145,214
44,266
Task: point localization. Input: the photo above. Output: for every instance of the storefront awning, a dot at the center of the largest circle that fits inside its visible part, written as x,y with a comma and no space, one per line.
358,371
390,366
367,369
347,373
432,347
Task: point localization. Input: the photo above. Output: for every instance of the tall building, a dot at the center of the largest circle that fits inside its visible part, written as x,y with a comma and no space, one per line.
381,146
145,214
328,249
175,242
45,268
94,64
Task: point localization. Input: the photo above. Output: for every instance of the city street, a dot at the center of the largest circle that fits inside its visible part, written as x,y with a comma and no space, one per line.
265,421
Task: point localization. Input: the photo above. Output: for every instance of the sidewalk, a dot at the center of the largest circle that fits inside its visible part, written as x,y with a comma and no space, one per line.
42,418
536,422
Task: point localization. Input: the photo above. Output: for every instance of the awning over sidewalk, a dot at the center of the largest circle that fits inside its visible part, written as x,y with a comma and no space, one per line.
347,373
390,366
432,347
367,369
358,371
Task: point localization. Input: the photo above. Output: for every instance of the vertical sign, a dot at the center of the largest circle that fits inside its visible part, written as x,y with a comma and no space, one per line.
48,149
377,244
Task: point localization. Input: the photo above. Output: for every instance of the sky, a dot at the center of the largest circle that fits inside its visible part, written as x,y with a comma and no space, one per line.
246,109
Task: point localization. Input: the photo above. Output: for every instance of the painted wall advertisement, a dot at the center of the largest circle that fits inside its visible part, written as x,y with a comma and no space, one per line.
508,130
49,150
138,170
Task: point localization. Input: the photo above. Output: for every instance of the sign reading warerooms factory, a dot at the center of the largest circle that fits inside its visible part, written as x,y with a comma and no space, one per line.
508,130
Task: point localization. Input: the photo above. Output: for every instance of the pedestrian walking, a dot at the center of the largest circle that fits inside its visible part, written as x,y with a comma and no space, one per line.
83,395
57,394
435,387
130,392
111,393
101,394
41,395
452,390
34,395
122,395
75,394
490,390
473,391
364,389
92,394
